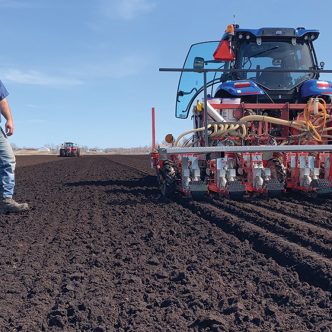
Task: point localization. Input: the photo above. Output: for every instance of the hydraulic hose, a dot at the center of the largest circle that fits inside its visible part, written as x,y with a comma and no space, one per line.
315,112
314,122
312,126
293,124
189,132
233,129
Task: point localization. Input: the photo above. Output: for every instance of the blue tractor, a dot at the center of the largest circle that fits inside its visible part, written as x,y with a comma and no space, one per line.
262,120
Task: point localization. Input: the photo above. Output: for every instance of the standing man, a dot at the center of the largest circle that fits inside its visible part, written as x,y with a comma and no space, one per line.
7,160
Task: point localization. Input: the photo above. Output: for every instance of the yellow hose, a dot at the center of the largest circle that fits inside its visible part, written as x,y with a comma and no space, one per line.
233,129
293,124
314,123
189,132
316,110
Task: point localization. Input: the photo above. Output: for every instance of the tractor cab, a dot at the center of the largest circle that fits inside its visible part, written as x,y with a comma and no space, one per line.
257,65
276,49
68,144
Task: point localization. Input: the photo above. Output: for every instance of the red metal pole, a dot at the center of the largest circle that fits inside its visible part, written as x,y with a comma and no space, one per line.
153,129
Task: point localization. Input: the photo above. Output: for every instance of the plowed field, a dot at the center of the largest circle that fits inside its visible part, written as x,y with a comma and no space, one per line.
100,251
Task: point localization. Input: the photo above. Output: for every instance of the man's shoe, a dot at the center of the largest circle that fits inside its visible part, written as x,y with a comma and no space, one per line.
10,205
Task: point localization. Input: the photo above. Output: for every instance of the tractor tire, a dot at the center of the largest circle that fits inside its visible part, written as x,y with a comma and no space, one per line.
167,180
62,153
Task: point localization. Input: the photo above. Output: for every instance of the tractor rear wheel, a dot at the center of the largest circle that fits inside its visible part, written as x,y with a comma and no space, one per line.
167,180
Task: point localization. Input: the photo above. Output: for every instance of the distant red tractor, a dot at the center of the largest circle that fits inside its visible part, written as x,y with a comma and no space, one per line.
69,149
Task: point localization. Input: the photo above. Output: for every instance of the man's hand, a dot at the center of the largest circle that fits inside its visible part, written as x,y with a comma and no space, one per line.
5,111
9,127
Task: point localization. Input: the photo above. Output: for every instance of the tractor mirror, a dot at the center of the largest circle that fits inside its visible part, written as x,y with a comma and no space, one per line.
224,52
198,63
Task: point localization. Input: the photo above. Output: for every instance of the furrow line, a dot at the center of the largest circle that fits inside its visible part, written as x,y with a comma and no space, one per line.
310,266
128,166
294,229
299,212
309,202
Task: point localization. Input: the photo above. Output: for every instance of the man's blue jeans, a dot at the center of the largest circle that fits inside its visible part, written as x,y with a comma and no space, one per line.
7,167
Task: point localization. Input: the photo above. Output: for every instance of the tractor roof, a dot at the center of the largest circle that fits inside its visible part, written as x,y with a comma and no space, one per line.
276,32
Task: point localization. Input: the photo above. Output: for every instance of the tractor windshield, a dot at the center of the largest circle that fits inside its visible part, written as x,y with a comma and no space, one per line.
191,83
275,56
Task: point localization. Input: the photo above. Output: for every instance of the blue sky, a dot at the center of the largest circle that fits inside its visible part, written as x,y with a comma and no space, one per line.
87,70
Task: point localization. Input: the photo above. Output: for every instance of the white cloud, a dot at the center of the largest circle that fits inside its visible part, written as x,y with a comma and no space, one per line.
127,9
33,77
80,72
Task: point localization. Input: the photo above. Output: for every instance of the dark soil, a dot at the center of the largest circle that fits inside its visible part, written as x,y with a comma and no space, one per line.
101,251
22,161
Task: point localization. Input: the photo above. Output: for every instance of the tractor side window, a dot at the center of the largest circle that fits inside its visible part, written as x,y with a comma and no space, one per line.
191,83
303,61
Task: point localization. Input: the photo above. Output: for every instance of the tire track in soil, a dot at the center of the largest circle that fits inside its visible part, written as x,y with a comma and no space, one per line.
294,230
296,210
307,226
322,203
311,266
